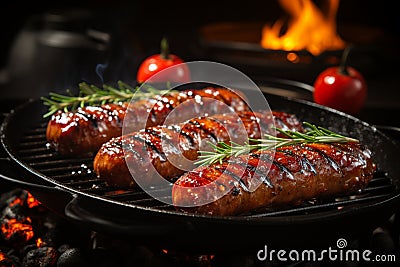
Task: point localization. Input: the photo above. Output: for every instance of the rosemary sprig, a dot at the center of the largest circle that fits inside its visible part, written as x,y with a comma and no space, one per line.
90,95
313,134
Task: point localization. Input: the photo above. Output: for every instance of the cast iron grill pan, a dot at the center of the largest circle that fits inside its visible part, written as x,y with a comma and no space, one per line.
71,188
78,174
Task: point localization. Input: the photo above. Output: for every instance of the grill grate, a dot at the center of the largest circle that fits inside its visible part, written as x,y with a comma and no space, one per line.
78,174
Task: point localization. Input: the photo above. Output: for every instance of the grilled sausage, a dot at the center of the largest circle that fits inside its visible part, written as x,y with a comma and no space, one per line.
297,173
170,150
82,132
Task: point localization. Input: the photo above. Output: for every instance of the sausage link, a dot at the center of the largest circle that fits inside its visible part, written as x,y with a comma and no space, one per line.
82,132
170,150
290,176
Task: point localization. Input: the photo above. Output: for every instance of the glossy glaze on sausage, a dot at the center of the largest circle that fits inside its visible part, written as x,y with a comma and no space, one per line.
164,150
292,175
82,132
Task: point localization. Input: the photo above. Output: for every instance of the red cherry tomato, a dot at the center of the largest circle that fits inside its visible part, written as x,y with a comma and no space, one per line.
342,88
160,62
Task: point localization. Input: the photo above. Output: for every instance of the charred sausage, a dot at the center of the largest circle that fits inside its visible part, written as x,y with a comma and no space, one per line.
169,151
82,132
296,173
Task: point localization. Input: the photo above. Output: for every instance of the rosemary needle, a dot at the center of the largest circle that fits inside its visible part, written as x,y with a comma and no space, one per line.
313,134
90,95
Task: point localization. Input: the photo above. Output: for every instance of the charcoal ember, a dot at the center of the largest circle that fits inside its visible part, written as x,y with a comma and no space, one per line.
14,211
10,255
16,226
55,231
48,229
73,257
43,257
16,232
64,247
7,260
7,197
21,197
27,248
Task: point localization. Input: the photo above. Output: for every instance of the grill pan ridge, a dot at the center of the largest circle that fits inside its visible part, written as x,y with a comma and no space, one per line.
126,211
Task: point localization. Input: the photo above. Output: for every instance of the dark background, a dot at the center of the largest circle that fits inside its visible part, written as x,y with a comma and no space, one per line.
136,27
151,19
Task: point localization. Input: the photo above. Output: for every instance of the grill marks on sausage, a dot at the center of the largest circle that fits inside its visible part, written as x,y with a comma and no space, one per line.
82,132
262,176
269,158
152,141
105,113
89,117
206,131
181,141
164,105
223,169
189,137
252,166
306,164
317,170
152,138
122,145
329,159
296,158
178,130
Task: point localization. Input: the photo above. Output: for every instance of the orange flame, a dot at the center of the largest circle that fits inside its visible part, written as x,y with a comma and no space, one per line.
2,256
12,226
39,242
31,201
309,28
16,201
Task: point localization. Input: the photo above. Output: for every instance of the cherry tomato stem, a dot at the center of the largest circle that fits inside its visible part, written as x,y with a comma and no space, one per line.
343,61
164,48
